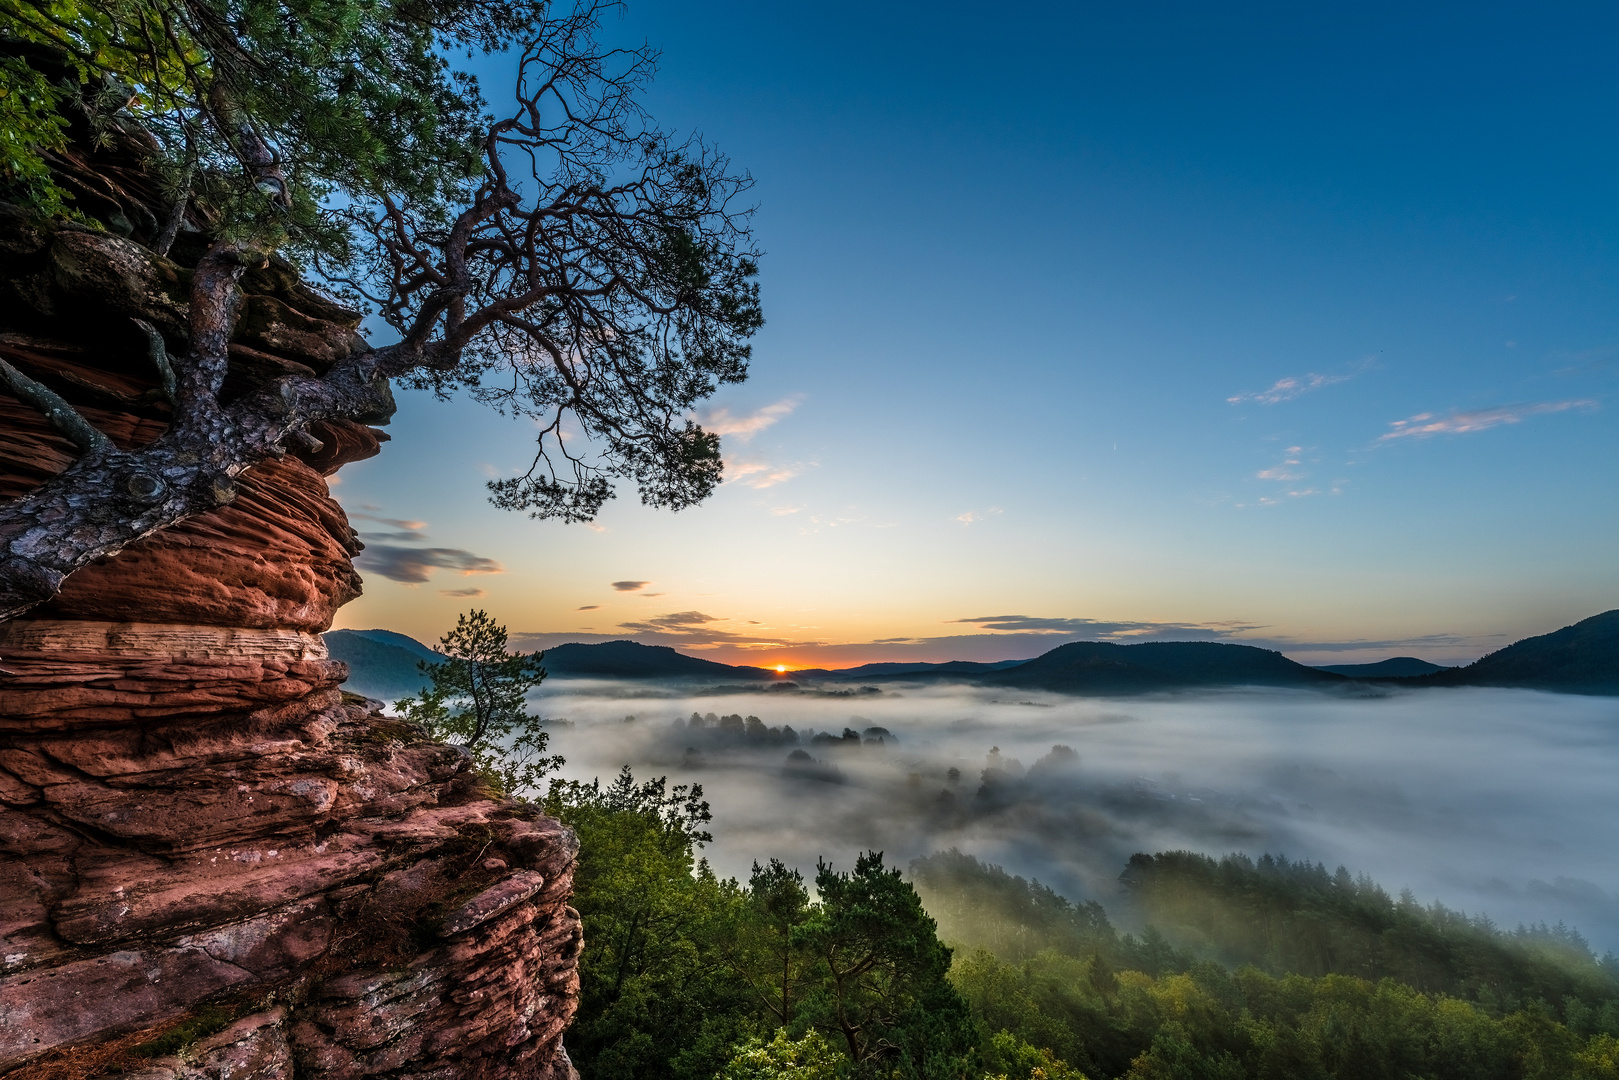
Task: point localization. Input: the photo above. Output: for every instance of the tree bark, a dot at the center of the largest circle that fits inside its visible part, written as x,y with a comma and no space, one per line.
111,497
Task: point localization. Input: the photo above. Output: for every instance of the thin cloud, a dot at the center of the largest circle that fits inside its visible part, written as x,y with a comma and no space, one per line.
1288,470
760,474
1587,360
1425,425
1275,500
688,629
679,620
972,516
416,565
398,523
462,592
630,586
405,530
1421,642
1098,628
1293,386
590,607
722,422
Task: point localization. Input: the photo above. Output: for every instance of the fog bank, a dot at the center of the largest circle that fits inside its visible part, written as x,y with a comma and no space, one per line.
1500,801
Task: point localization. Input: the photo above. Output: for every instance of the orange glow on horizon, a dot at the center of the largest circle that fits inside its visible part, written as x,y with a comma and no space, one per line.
781,669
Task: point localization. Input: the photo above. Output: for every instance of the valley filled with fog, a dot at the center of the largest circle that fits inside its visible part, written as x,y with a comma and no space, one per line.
1493,801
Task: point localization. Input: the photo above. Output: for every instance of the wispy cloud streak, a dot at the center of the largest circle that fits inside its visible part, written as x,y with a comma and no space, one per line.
1425,425
722,422
759,474
1100,628
1296,386
416,565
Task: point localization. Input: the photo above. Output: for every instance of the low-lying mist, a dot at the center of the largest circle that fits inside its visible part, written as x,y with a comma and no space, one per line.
1494,801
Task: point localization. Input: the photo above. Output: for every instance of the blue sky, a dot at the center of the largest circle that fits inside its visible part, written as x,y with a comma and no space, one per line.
1289,324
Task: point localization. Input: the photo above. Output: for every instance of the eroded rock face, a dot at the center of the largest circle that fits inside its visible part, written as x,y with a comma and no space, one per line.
313,866
213,863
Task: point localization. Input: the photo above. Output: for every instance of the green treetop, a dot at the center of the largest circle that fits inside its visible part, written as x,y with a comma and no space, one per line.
269,106
479,700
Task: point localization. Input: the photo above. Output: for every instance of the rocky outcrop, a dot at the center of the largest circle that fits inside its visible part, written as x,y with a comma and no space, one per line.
314,862
214,863
310,860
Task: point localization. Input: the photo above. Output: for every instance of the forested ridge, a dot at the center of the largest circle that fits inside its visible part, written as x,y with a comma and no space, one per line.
1263,968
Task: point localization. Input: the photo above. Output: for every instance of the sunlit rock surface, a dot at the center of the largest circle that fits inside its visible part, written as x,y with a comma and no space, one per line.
213,863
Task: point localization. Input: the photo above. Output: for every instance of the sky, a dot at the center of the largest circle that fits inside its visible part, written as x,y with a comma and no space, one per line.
1292,325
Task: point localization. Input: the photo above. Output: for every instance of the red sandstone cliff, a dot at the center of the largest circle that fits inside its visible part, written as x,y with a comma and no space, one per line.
212,862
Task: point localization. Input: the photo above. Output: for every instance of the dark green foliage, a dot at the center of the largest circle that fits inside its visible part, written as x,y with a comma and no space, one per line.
1296,918
984,907
686,975
657,996
568,262
267,106
767,954
682,968
1052,975
880,976
981,906
478,700
1208,1023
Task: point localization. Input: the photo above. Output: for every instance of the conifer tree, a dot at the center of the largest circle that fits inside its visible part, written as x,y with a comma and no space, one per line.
479,700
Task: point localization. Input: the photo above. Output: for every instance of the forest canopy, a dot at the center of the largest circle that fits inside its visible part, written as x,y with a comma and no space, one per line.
1246,968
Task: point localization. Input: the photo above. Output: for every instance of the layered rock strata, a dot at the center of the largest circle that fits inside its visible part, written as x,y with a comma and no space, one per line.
214,863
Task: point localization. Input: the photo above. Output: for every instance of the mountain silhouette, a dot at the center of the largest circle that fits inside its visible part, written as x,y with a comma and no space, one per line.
916,671
382,664
1583,658
1104,667
1578,659
632,660
1395,667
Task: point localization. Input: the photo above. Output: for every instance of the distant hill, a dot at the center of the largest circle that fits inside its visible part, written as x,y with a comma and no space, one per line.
914,671
1583,658
1397,667
382,664
1102,667
409,644
1578,659
632,660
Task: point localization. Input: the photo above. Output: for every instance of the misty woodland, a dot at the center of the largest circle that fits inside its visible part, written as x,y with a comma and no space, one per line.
238,845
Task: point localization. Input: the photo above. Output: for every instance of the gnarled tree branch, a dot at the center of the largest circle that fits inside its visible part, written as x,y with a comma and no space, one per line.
608,282
63,417
159,353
